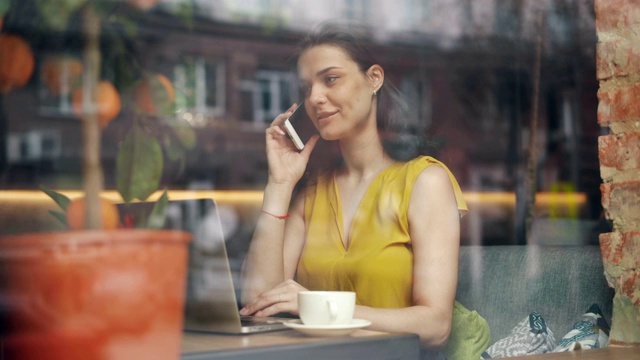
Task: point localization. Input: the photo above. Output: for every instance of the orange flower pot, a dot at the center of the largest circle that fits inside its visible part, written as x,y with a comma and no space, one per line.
116,294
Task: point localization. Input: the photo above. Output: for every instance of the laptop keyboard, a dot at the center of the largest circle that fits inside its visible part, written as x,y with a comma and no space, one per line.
252,320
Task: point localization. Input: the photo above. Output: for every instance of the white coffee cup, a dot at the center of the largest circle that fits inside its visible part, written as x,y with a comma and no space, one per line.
319,308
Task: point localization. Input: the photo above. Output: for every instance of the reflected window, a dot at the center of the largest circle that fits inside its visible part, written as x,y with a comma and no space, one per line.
357,9
200,86
417,92
273,92
508,18
416,12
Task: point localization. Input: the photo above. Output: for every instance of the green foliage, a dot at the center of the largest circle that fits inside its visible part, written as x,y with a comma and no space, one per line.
57,13
186,135
139,164
60,199
159,94
4,7
185,11
179,139
60,216
155,219
152,137
158,213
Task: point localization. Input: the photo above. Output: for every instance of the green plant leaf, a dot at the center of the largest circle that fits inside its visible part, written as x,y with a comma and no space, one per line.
159,95
129,27
159,212
57,13
60,199
61,217
185,11
4,6
139,165
185,134
173,150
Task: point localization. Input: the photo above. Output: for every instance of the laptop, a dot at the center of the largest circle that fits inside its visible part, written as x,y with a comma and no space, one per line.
211,303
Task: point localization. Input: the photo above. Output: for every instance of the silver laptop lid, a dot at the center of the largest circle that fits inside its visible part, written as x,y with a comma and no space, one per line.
211,299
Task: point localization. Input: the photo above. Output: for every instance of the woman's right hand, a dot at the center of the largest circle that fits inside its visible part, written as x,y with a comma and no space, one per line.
286,163
282,298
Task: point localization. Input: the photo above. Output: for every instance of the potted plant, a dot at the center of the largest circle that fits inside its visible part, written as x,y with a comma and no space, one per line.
97,290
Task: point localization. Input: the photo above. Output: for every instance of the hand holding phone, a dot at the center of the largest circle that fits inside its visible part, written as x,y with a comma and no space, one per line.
291,132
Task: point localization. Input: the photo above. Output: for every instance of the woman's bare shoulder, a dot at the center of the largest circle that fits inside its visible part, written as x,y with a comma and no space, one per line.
432,189
434,177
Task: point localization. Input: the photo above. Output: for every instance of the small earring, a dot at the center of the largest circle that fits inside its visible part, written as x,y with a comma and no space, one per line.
375,92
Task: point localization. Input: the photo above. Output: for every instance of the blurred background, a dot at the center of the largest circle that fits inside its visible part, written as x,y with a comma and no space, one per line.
476,72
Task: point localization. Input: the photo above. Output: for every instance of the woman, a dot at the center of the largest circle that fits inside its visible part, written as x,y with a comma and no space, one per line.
377,224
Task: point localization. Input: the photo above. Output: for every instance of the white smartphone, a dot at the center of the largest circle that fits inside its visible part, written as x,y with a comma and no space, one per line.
288,128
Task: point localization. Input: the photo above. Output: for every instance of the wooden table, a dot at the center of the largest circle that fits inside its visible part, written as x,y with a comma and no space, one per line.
290,344
608,353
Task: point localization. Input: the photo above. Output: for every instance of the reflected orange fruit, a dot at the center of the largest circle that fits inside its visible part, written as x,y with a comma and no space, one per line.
143,4
61,73
108,102
154,94
16,62
76,214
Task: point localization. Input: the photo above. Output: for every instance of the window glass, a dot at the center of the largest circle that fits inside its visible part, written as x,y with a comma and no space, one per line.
276,93
465,68
200,85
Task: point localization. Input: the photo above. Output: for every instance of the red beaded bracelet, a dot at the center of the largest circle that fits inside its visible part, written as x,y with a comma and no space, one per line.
281,217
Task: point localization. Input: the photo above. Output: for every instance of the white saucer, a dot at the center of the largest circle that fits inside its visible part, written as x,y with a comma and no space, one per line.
328,330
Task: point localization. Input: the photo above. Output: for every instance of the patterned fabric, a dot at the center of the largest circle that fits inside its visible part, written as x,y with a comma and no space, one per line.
530,336
589,332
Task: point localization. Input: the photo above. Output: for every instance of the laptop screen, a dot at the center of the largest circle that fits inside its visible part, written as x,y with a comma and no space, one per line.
211,285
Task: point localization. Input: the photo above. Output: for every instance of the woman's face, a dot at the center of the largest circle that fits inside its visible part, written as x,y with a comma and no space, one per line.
338,96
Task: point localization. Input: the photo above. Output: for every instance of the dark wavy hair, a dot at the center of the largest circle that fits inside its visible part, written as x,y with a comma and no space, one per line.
393,116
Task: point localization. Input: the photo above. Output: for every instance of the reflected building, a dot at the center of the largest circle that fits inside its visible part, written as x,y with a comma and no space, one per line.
466,68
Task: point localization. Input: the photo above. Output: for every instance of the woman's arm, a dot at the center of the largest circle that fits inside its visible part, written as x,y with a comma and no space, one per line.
270,294
434,225
268,261
263,265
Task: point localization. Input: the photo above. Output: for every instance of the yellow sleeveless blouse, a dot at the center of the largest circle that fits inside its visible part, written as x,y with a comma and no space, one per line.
378,264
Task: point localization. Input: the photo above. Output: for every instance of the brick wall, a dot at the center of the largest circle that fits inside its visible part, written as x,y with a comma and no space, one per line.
618,70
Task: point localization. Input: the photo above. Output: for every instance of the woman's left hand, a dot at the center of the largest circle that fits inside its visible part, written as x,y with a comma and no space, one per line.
282,298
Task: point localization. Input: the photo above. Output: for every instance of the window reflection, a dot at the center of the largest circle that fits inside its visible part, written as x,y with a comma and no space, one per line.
466,68
200,87
276,91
